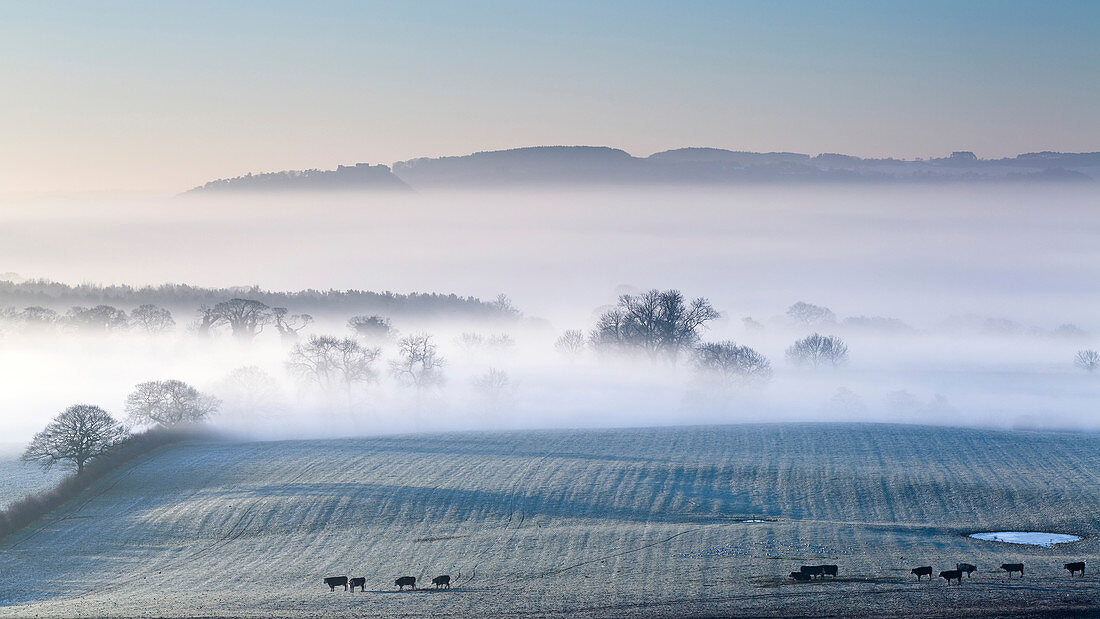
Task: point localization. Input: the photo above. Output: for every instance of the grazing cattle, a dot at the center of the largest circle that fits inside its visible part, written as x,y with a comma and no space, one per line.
802,576
1013,567
922,571
337,581
442,581
812,570
828,570
405,580
358,582
966,567
952,575
1076,567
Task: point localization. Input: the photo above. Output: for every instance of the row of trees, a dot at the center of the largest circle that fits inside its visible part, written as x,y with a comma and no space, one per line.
83,432
39,292
339,364
146,318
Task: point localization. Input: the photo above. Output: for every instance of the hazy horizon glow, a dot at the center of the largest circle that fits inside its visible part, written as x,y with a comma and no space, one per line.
130,96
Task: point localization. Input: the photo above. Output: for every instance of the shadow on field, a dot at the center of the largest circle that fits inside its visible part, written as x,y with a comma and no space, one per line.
365,500
492,445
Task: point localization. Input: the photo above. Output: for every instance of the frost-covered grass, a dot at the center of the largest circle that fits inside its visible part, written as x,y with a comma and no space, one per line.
580,523
22,478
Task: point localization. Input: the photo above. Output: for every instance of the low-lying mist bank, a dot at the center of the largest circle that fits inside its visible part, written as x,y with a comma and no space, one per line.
959,305
487,381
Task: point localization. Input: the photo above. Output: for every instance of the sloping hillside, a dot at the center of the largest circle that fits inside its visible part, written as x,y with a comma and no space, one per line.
579,523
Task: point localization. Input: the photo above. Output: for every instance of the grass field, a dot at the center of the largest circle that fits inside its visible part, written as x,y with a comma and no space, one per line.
634,522
23,478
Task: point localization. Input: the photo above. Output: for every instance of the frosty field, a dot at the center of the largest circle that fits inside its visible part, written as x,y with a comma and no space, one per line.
22,478
631,522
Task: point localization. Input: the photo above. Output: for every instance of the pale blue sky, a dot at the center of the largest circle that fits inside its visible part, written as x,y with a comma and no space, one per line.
163,96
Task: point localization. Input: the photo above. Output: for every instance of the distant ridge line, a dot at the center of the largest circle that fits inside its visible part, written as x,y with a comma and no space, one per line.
563,166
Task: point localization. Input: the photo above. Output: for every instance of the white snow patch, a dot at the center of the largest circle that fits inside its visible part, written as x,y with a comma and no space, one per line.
1031,538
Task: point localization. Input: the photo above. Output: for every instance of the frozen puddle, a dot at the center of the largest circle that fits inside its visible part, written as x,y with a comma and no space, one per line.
1046,540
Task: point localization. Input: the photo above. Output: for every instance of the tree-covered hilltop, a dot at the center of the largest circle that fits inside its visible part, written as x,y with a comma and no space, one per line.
357,177
187,299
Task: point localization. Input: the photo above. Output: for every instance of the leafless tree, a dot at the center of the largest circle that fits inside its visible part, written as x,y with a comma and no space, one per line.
809,315
494,387
79,434
289,324
333,363
471,342
661,324
152,319
207,320
751,324
168,403
818,350
245,317
374,329
419,363
727,364
249,391
846,401
101,318
1088,360
570,344
504,305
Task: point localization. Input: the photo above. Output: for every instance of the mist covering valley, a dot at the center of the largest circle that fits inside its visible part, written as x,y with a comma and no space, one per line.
960,304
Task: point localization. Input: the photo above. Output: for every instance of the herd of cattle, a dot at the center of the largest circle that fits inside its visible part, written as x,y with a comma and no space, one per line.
405,581
804,573
807,572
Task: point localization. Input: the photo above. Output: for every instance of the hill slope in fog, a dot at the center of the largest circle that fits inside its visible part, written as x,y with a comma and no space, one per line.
578,523
570,166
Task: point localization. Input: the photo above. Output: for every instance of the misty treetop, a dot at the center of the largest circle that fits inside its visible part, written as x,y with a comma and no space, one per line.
372,328
809,315
102,319
661,324
817,351
333,363
168,403
729,364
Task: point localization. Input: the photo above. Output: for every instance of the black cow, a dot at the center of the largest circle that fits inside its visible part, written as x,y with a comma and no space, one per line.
952,575
442,581
1076,567
1013,567
358,582
829,570
800,576
966,567
922,571
812,570
337,581
405,580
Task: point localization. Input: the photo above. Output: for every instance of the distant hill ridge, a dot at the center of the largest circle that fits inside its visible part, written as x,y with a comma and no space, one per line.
601,165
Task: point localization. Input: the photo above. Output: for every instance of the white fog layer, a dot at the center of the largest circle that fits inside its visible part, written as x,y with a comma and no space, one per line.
960,305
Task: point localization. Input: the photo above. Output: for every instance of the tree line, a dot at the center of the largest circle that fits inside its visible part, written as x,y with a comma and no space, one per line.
184,297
